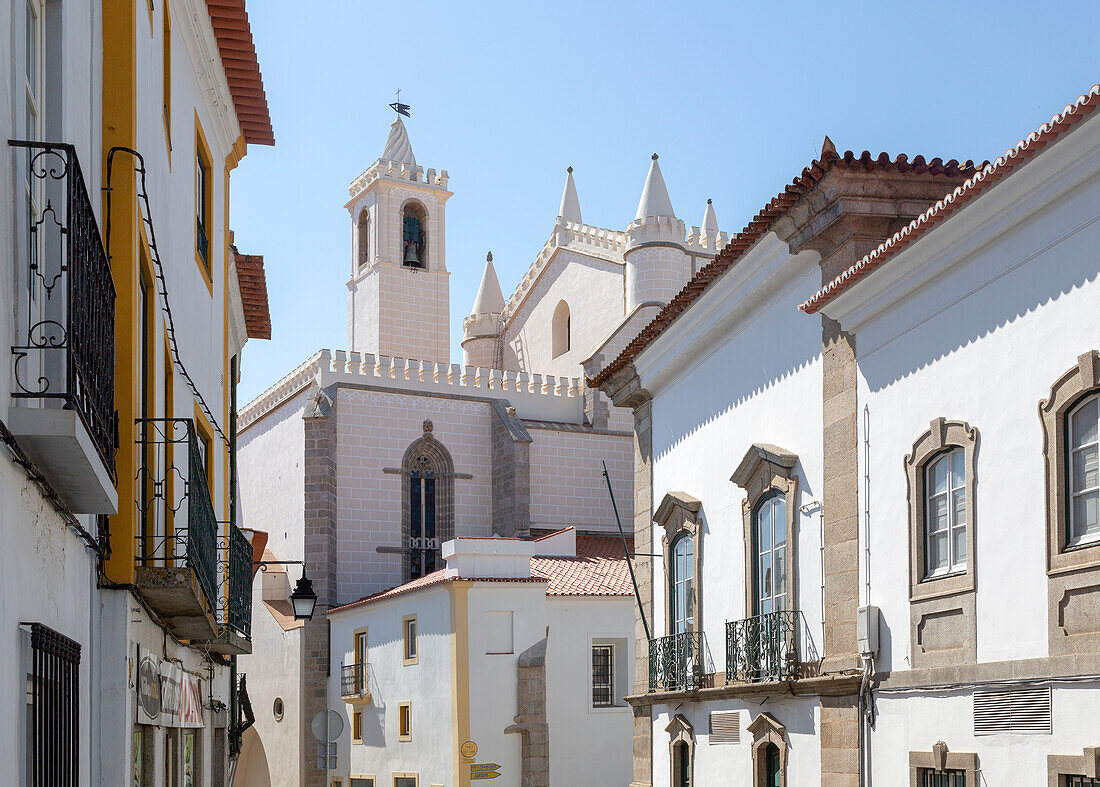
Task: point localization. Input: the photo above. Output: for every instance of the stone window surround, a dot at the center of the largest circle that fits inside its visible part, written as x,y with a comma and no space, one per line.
940,759
766,729
1074,385
765,469
679,513
409,655
1086,764
425,227
1073,574
680,731
947,603
941,437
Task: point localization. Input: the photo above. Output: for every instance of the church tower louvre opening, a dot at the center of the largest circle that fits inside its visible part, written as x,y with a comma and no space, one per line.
398,287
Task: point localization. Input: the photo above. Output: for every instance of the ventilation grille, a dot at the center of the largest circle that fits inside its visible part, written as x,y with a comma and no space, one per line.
1015,711
725,726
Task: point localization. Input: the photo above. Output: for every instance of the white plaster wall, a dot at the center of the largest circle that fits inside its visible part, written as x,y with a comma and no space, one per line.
655,274
374,429
983,344
494,677
913,721
426,685
732,763
587,745
567,483
271,474
592,287
414,313
757,382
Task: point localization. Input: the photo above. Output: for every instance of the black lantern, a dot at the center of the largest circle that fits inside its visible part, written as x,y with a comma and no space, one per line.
303,599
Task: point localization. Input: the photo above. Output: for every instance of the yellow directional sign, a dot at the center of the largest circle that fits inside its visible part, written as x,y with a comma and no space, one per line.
485,775
485,770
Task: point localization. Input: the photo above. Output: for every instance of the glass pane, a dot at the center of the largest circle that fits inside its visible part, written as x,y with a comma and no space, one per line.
959,496
1085,515
780,570
766,576
937,476
959,537
937,552
764,528
937,513
1086,468
958,474
689,604
1084,423
779,520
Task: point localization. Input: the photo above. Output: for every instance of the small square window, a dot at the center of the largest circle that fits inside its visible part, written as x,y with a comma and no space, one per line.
948,778
362,781
408,639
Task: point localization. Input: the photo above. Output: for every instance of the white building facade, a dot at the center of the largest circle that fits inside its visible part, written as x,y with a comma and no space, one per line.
902,489
119,636
512,660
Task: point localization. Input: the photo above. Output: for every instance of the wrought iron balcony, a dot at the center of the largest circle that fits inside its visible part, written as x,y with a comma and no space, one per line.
676,662
176,550
353,682
234,612
64,346
762,648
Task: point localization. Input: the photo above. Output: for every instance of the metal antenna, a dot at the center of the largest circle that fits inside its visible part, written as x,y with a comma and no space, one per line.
398,107
629,563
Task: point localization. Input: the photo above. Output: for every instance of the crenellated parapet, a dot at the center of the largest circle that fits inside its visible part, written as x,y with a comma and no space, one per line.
398,170
539,396
594,241
651,230
709,243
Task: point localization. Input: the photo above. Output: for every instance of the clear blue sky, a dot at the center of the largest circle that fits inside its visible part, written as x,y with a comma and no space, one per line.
735,97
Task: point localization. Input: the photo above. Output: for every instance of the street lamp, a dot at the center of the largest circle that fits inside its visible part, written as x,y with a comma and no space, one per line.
304,599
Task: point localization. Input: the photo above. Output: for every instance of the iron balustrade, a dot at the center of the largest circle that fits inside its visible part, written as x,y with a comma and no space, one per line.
64,350
353,680
675,662
235,580
177,526
762,648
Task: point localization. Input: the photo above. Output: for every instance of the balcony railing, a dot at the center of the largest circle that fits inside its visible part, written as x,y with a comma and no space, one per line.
177,526
64,349
676,662
235,580
762,648
353,681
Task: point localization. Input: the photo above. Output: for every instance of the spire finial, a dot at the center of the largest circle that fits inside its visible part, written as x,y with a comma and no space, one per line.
654,157
709,200
827,147
398,107
569,170
489,257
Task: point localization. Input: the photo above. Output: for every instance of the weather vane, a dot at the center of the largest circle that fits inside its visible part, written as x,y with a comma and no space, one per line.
398,107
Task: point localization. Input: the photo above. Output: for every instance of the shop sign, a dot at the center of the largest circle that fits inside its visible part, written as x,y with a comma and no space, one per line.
181,698
148,687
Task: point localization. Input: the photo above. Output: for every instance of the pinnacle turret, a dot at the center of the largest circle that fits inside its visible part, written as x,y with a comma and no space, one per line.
570,209
655,200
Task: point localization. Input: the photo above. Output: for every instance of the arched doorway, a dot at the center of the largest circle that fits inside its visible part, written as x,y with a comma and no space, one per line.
252,770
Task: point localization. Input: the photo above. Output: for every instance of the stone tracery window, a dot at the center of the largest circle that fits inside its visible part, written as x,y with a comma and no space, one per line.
428,503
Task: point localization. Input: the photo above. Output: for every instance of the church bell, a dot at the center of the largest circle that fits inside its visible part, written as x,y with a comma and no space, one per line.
411,256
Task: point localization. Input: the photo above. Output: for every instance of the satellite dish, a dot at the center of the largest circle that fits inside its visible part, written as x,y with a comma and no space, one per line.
327,726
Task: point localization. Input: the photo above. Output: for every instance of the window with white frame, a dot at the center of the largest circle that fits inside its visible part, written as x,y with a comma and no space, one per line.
682,594
945,514
771,554
1084,473
603,676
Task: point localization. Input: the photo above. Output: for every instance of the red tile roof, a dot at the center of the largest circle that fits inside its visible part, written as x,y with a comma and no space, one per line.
253,282
242,70
759,226
599,569
990,174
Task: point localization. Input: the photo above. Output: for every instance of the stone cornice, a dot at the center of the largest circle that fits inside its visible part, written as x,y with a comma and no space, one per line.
822,686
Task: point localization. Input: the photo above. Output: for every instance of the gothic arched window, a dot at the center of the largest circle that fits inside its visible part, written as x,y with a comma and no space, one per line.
364,238
560,332
428,504
414,236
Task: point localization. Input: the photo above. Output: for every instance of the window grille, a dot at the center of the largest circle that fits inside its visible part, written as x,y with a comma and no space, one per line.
54,697
603,676
1081,781
948,778
358,781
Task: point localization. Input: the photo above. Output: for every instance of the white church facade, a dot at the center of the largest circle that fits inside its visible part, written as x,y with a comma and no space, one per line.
363,462
867,472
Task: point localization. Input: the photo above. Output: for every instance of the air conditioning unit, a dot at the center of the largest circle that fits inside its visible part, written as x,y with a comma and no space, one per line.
867,630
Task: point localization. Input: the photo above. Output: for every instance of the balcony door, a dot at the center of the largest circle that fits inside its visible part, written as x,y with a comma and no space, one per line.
682,596
770,541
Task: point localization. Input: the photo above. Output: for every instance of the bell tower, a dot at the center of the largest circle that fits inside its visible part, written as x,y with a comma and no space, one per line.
398,291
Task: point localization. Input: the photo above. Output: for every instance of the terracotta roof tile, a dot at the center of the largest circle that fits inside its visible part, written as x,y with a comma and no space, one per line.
242,70
758,227
253,282
988,176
